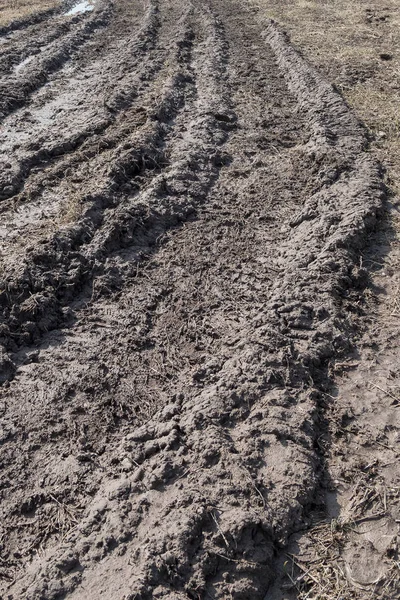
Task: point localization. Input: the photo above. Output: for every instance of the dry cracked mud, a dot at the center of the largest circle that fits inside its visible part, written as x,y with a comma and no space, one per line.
183,205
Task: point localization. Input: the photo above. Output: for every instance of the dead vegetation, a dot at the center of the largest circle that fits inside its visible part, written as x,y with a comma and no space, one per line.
357,45
330,564
11,10
326,577
349,551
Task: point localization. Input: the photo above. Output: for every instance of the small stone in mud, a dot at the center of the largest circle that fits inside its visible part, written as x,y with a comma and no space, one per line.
126,464
385,56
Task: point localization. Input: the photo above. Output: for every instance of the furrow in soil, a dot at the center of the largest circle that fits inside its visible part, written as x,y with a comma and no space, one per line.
16,90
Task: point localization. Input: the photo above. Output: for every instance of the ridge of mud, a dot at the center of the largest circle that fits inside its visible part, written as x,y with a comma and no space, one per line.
336,219
210,493
332,123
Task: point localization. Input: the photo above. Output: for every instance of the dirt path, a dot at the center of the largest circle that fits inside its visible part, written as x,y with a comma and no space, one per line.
183,204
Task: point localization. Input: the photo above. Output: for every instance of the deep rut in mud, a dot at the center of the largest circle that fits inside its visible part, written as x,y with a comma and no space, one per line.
183,200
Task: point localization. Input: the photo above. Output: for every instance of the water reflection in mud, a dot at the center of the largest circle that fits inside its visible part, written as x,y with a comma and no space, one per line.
83,6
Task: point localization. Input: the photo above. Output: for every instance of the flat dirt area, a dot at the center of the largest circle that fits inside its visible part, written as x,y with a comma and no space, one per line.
199,278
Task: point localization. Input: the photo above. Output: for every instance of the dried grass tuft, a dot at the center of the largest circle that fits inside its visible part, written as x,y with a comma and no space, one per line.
11,10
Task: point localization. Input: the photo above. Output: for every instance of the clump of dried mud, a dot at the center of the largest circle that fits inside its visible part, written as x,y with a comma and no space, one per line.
184,202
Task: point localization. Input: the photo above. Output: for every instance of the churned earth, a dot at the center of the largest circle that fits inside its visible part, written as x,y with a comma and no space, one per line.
184,205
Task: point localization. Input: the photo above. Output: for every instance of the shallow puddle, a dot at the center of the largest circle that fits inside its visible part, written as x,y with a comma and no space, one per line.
84,6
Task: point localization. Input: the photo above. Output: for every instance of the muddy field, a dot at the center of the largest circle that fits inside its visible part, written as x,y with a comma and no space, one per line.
186,207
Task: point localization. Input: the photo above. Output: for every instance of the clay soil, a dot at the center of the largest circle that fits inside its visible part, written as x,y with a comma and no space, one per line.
198,374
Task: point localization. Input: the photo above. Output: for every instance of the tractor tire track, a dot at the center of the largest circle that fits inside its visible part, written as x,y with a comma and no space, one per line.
20,48
16,90
91,117
141,153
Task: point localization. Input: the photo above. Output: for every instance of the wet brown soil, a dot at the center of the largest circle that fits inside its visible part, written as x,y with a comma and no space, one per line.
184,202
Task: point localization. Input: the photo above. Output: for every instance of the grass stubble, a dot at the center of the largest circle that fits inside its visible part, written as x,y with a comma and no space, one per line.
13,10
